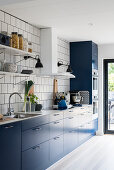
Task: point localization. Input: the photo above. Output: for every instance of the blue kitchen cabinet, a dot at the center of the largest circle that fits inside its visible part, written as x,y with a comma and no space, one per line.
35,136
10,146
36,158
56,148
56,128
71,141
83,58
36,121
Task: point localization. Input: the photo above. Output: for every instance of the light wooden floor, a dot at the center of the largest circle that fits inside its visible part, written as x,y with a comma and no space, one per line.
95,154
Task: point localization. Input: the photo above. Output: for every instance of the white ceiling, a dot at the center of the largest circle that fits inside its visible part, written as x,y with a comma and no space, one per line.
74,20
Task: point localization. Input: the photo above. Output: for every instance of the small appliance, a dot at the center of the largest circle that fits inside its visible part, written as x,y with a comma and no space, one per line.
76,98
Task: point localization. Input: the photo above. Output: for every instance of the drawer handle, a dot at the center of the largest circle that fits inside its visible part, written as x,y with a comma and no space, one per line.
36,147
70,110
56,122
36,129
71,131
8,127
56,138
56,114
70,117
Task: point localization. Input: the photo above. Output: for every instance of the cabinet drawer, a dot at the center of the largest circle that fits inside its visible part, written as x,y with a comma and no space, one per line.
35,136
33,122
56,116
70,141
56,128
70,112
10,146
36,158
82,133
56,148
70,123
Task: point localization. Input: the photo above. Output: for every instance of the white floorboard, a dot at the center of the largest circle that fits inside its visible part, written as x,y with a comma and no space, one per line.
95,154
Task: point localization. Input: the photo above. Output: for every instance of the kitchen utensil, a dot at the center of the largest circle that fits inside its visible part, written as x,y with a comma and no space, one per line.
10,67
55,89
1,116
62,105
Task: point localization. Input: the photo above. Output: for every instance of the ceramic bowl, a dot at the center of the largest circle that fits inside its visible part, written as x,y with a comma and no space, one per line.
10,67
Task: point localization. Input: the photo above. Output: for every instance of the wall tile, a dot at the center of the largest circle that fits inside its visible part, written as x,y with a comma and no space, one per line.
1,16
43,86
7,19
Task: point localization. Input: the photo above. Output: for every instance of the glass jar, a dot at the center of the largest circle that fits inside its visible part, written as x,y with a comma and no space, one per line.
29,47
15,40
21,42
10,41
25,45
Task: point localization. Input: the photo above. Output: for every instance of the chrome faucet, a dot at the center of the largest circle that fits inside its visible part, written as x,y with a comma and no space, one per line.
10,110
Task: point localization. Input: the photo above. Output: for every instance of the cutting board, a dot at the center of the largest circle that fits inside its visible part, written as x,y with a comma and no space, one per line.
55,88
31,91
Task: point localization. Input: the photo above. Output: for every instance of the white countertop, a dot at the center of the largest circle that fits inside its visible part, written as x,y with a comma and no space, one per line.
46,112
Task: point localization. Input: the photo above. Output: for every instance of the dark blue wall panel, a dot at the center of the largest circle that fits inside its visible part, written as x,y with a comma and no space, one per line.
82,54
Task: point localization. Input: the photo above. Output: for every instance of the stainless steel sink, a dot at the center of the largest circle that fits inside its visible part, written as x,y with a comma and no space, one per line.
25,115
22,115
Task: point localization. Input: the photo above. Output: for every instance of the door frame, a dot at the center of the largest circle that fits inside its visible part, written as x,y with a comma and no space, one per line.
106,61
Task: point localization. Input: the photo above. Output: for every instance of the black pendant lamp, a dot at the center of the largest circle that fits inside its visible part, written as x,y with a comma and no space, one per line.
69,69
38,64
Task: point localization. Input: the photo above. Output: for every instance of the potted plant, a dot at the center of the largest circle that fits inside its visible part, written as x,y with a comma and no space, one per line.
33,100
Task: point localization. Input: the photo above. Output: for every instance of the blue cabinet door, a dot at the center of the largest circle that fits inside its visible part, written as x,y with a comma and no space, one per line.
36,158
35,136
56,128
56,149
71,141
10,146
36,121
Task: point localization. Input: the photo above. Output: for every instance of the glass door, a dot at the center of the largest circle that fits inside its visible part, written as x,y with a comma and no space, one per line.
109,95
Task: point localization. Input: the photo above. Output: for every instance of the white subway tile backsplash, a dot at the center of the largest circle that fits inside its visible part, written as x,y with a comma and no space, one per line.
13,21
1,98
4,109
10,29
7,19
4,88
4,27
1,16
43,86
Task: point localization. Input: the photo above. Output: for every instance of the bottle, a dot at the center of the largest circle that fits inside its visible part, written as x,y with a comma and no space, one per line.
28,104
29,47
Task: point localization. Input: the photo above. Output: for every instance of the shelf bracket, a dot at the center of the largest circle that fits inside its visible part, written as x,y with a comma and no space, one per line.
2,76
26,78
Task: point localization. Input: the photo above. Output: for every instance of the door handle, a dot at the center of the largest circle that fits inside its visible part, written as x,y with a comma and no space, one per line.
56,114
56,138
8,127
36,129
36,147
70,117
56,122
70,110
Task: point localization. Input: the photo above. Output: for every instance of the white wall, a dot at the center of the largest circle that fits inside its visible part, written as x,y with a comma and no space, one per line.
104,52
43,86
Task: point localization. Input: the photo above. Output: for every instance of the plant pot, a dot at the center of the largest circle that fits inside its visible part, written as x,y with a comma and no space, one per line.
38,107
